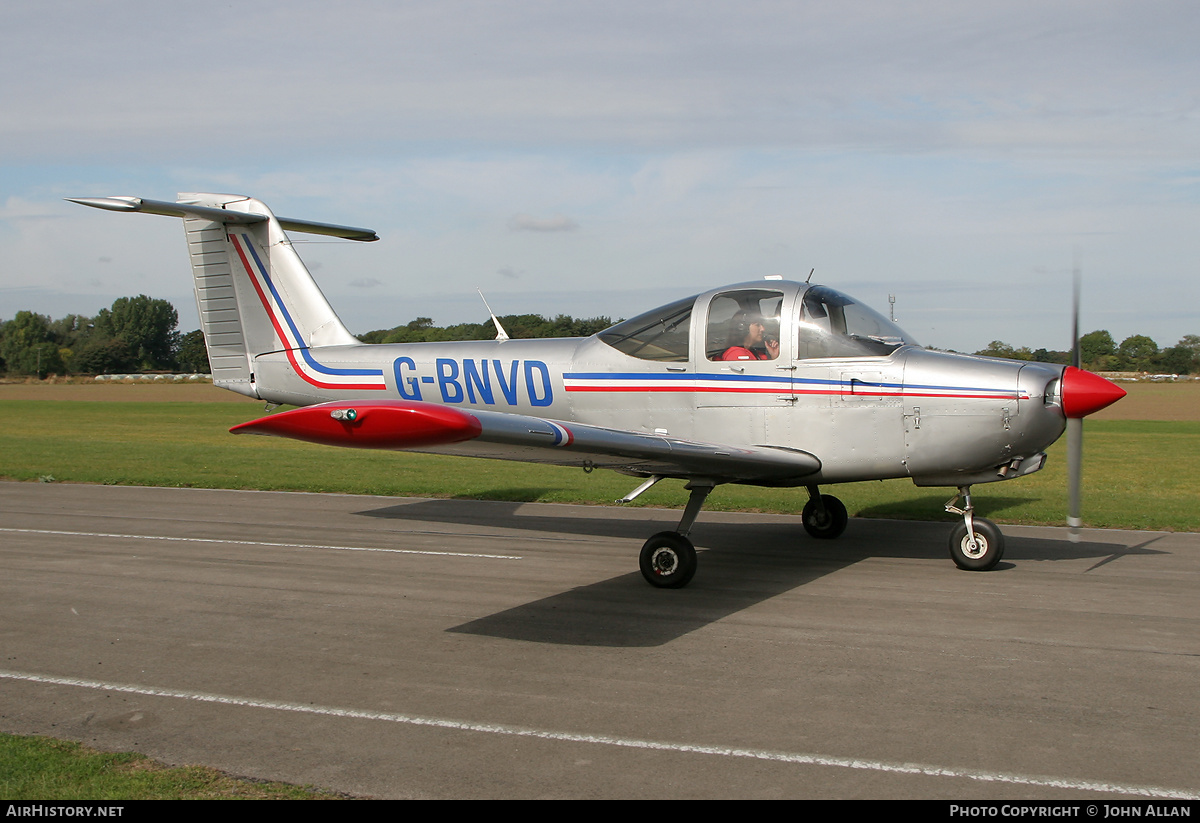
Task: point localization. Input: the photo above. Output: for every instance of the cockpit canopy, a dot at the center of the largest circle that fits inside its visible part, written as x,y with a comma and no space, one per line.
821,323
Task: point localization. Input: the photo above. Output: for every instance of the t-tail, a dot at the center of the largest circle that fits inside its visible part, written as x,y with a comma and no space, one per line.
253,293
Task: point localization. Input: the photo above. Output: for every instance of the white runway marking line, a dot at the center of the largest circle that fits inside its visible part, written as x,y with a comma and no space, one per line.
259,543
623,742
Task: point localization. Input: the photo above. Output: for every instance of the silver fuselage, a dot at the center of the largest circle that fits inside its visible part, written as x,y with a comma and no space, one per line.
939,418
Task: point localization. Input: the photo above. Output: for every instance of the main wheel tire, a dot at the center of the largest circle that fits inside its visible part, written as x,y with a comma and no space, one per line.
826,524
989,546
668,560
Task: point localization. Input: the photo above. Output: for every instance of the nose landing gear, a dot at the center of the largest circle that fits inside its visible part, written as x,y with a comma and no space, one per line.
976,544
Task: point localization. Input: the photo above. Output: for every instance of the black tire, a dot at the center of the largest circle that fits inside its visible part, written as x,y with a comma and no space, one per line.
828,524
989,546
668,560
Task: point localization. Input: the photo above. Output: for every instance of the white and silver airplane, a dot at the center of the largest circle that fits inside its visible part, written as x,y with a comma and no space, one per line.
769,383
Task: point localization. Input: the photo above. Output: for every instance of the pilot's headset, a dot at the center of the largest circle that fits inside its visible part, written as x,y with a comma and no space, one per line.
739,326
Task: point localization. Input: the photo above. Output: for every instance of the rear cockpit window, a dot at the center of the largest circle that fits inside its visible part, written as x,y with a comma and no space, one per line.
661,334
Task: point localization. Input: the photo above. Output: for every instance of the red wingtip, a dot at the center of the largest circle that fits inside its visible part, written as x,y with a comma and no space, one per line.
375,424
1084,392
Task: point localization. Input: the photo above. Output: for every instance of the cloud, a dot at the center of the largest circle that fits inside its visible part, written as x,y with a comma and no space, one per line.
1014,76
527,222
927,148
20,208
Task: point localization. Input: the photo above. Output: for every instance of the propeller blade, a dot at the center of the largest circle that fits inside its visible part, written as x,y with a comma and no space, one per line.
1075,317
1082,394
1074,424
1074,475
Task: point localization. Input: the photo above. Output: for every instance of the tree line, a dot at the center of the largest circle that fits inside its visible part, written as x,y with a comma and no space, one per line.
136,334
522,326
139,334
1099,352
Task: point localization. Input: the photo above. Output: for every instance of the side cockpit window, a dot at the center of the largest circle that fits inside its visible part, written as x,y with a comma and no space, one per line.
743,325
834,325
660,335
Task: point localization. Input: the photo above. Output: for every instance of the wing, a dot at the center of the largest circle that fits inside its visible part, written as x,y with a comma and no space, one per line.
427,427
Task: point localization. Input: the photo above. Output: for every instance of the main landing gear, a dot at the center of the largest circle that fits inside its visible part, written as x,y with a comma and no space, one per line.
668,559
824,515
975,544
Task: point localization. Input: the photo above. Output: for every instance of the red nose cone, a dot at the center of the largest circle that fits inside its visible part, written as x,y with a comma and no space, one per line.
1084,392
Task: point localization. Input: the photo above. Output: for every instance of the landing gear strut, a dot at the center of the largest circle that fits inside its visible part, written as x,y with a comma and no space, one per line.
668,559
976,544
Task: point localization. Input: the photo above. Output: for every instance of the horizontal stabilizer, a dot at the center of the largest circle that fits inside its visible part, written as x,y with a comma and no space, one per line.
138,204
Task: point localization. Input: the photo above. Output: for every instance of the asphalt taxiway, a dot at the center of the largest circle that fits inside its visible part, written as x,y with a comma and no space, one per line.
395,647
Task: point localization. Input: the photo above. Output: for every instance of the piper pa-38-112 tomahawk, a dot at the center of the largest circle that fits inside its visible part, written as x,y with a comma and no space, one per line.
768,383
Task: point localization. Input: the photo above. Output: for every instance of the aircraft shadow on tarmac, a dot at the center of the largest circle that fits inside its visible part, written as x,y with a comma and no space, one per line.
986,505
741,565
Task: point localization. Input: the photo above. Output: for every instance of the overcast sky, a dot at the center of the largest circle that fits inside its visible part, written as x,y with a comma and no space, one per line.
602,158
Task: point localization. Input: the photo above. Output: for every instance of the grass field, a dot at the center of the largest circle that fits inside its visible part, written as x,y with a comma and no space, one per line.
42,769
1139,473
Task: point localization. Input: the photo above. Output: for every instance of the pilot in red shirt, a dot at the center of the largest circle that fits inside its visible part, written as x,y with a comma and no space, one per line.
747,339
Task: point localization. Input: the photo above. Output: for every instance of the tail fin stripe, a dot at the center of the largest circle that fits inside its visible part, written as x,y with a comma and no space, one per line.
294,343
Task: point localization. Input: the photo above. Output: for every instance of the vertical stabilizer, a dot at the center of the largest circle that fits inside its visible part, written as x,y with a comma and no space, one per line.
254,295
253,292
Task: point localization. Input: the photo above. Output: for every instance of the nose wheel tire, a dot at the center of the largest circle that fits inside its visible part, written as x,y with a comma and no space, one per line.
987,550
668,560
827,523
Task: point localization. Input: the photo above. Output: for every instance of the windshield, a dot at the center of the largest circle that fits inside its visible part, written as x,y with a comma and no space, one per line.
661,334
834,325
